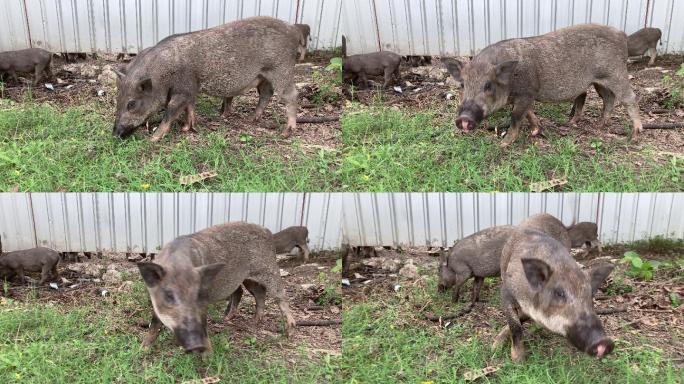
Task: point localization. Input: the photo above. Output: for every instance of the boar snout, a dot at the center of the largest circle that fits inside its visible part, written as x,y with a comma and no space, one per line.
469,115
587,334
192,339
122,131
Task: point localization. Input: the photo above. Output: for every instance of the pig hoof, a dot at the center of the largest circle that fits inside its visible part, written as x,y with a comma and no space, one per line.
286,133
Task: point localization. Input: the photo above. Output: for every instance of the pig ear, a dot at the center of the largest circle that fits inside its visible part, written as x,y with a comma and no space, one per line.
598,275
504,71
145,85
151,273
119,74
209,272
454,68
537,272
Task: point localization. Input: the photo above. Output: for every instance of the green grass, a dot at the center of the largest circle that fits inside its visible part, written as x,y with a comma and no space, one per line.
386,335
389,150
99,342
46,149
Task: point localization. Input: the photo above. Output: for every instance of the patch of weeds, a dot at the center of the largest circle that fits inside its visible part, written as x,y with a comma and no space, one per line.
659,244
640,268
675,85
618,286
327,82
556,112
332,293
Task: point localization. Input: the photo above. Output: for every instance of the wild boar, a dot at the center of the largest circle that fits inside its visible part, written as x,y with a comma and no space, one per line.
305,31
292,237
220,61
542,282
558,66
355,68
43,260
32,60
644,41
205,267
478,255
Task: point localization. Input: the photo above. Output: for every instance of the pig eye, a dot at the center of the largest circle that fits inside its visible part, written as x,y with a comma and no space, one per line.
488,86
130,105
169,297
559,294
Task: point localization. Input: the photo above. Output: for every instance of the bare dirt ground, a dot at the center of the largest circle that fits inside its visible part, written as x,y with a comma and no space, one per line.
430,88
643,315
83,81
113,274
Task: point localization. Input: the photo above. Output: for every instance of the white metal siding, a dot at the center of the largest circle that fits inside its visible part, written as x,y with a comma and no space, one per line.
141,222
440,219
463,27
132,25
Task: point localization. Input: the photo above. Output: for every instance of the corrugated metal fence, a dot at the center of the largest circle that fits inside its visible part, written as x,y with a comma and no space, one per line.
440,219
462,27
145,221
132,25
141,222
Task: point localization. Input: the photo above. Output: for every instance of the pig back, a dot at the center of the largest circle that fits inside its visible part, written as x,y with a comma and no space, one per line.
562,64
550,225
245,249
31,259
481,251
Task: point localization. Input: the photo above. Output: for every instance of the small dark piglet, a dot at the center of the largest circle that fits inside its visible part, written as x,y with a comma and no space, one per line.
43,260
32,60
292,237
356,68
478,256
644,41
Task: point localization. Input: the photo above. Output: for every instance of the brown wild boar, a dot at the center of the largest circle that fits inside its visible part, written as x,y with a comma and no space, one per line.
305,31
205,267
644,41
43,260
221,61
478,255
555,67
32,60
291,237
574,236
542,282
356,68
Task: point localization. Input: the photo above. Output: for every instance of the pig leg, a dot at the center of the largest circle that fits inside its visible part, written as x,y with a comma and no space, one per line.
233,303
515,326
38,74
289,95
305,250
176,106
608,98
265,90
624,94
259,293
20,272
273,286
520,109
461,274
477,285
363,80
151,337
534,123
652,53
577,108
388,77
44,275
190,119
227,107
